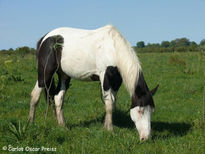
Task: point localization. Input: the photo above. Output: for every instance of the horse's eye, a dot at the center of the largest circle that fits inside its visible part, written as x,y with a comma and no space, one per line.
140,111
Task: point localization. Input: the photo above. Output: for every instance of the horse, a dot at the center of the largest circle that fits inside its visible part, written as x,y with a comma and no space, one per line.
101,55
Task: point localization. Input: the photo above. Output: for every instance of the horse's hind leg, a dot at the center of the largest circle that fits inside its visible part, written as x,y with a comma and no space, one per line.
59,99
35,95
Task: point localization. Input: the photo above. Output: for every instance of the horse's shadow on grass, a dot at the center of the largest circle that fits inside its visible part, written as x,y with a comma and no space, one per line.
167,129
160,129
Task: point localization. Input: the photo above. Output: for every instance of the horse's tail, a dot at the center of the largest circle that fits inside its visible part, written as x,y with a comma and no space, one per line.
51,92
48,56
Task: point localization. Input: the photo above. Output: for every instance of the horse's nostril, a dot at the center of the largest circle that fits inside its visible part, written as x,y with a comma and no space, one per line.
142,139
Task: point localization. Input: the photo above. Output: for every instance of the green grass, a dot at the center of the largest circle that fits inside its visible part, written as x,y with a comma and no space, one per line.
177,123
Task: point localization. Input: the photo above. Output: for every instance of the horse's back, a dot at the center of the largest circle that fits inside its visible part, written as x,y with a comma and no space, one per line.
84,52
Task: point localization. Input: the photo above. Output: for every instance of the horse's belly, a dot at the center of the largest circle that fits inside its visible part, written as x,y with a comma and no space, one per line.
78,67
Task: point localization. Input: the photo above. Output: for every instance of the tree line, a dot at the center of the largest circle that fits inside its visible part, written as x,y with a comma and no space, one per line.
20,51
179,45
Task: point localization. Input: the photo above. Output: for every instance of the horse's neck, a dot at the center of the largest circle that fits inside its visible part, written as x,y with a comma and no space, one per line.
126,60
129,67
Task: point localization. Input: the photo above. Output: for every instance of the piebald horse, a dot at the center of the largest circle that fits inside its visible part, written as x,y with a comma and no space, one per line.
102,54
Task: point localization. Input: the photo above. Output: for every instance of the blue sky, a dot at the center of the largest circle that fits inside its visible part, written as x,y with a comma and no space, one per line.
23,22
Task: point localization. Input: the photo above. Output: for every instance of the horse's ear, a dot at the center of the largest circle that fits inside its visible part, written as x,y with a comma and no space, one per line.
153,91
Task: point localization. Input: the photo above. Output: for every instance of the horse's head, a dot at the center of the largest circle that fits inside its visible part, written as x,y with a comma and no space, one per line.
142,108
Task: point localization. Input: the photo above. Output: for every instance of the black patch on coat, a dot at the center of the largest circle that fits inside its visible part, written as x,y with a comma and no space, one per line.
112,79
49,56
55,90
95,77
142,96
67,81
38,45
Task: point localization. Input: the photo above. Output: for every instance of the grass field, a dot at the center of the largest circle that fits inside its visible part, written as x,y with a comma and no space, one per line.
177,123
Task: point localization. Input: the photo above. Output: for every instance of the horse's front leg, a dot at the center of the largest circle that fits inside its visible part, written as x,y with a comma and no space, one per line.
110,83
109,100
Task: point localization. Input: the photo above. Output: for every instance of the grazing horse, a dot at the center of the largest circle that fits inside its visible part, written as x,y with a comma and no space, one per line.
102,54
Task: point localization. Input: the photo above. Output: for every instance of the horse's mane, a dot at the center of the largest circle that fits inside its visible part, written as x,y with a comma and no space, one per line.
126,60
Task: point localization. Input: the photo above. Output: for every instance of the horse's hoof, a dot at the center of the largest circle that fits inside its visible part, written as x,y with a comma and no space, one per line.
62,124
109,127
30,120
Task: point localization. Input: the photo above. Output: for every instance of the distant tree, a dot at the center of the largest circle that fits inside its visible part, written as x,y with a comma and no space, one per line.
156,45
23,49
3,50
202,42
141,44
165,44
193,44
153,45
182,42
172,43
11,50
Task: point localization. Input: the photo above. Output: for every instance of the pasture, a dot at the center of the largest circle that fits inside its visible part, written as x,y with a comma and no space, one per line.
177,123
